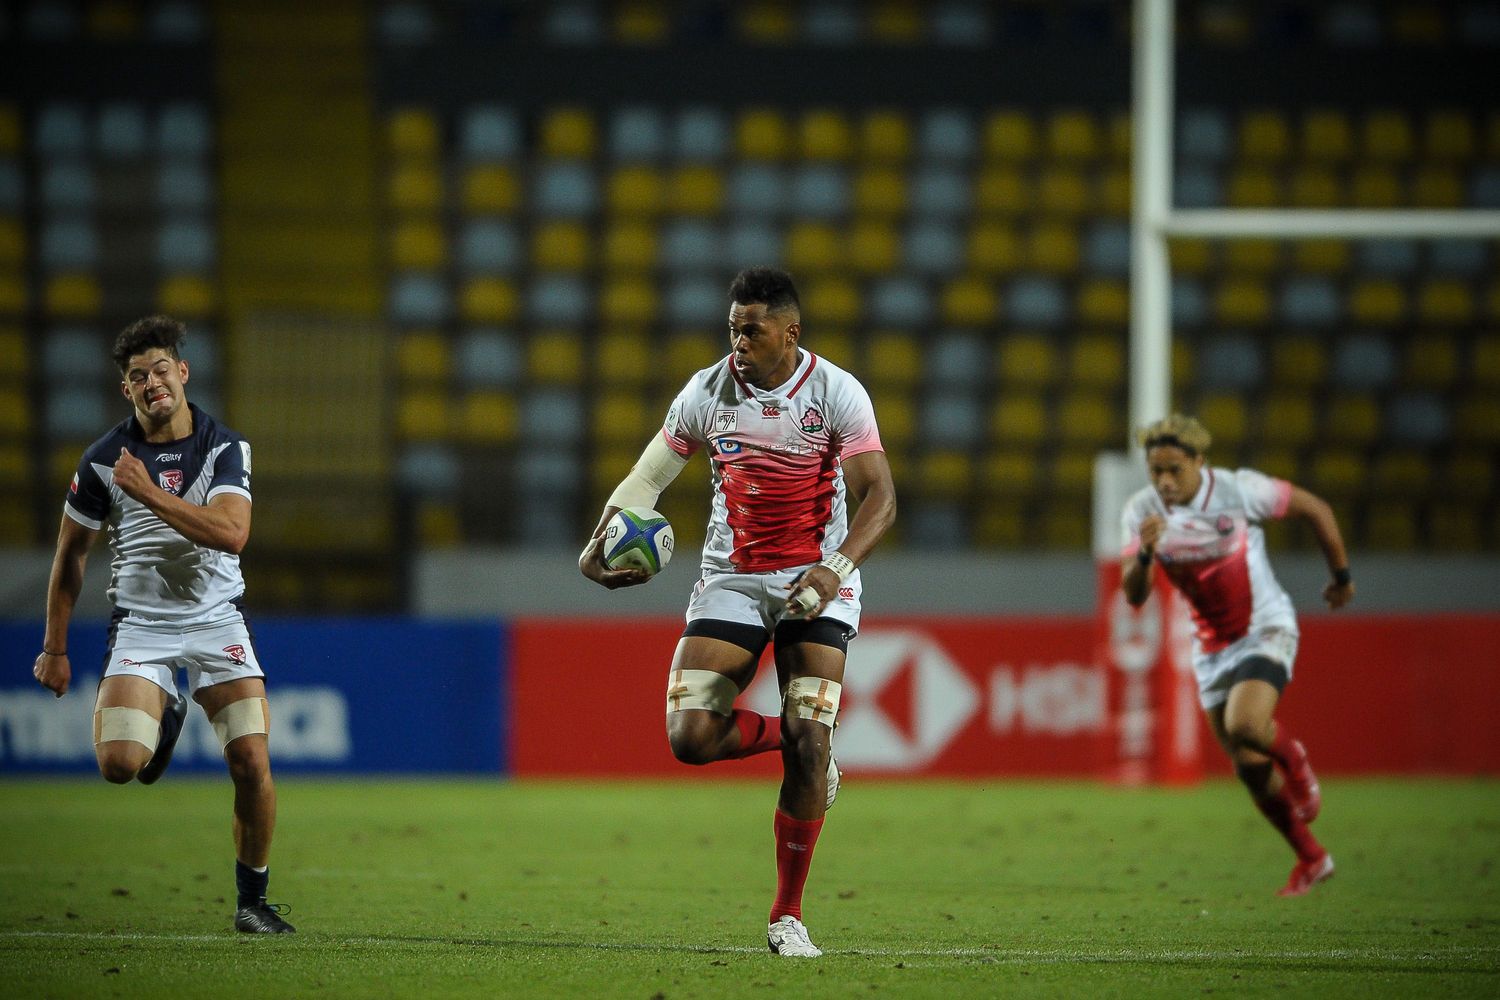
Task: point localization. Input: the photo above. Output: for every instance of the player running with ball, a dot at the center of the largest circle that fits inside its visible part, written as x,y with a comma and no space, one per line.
789,437
1202,524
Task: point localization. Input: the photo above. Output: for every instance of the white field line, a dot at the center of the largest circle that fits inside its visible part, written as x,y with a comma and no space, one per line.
1010,956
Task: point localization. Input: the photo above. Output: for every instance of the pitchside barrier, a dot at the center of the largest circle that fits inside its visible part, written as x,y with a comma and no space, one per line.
989,697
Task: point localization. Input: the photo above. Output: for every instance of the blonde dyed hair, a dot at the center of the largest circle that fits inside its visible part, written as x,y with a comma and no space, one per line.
1178,430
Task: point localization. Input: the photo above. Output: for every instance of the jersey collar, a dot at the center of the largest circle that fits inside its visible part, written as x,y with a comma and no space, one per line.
806,362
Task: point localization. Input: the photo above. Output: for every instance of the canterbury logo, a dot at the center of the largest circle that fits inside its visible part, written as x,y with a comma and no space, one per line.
795,847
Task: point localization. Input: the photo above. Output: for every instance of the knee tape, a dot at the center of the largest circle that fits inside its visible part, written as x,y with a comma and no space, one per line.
701,689
126,724
814,698
245,717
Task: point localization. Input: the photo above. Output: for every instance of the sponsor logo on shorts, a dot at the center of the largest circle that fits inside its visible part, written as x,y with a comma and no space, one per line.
126,661
847,593
812,420
170,479
236,654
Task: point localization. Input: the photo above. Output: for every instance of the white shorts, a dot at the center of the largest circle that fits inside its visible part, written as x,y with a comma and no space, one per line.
760,598
1215,671
212,652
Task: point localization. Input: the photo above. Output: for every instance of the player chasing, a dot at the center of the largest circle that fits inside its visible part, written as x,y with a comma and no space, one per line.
1203,526
789,438
173,484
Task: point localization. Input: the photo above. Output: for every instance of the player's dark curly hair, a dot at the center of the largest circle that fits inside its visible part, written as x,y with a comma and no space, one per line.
767,285
146,333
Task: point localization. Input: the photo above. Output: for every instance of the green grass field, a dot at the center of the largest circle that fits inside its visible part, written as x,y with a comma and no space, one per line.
484,889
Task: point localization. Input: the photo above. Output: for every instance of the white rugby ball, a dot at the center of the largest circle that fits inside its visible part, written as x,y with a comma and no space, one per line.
638,538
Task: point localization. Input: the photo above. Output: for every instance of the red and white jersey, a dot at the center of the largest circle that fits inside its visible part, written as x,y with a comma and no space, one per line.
1214,551
776,456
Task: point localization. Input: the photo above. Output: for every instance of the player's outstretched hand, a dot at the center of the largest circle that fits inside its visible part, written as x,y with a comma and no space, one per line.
1151,532
53,672
591,564
811,592
1338,594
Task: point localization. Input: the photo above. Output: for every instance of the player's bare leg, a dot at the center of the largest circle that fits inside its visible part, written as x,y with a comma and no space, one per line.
115,708
249,763
1245,727
703,725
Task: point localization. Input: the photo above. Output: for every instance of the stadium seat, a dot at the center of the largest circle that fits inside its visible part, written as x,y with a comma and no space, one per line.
412,132
1088,419
1036,301
621,420
695,190
762,134
1315,187
632,247
1352,420
968,301
68,184
1096,360
758,189
1008,472
1191,256
561,246
1386,137
892,359
873,246
635,190
568,133
1227,419
628,300
1254,187
957,359
833,345
637,133
555,357
1390,526
489,245
938,525
1028,360
416,187
565,188
1018,420
1477,419
1420,419
417,245
1002,191
814,247
1066,527
1320,256
416,298
1287,420
994,248
1052,248
1437,187
946,134
686,354
941,191
1197,187
931,248
1203,134
897,22
896,417
1467,474
423,415
700,135
1484,362
72,295
1327,137
1264,137
121,131
884,137
68,244
490,188
1010,136
621,358
1364,362
489,300
184,187
490,418
489,133
553,417
1231,361
1454,527
1430,361
697,302
1448,135
1073,137
1337,473
1375,186
1457,256
1309,301
186,296
945,475
422,356
899,301
1445,302
60,129
1002,524
825,134
1242,301
184,129
879,192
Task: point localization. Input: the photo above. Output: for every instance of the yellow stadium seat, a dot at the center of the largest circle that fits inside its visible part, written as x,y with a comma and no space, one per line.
623,358
884,136
825,135
1430,361
1018,420
1089,419
555,356
1002,191
762,134
994,248
1352,420
186,296
1191,255
896,418
612,463
72,296
17,520
423,415
1402,474
1453,527
622,419
835,345
1320,256
945,475
696,190
489,417
814,247
765,21
879,192
1377,302
113,20
1070,473
1184,364
628,300
1337,472
414,187
874,247
1419,24
1027,360
1375,186
686,354
489,300
1298,362
1066,528
438,525
1437,187
1390,526
1287,420
1484,367
636,191
1010,136
1445,302
1327,137
642,23
1254,187
1009,472
1315,187
1063,191
1053,248
15,416
1242,300
1227,419
1275,461
1387,137
969,301
1252,256
1121,136
417,244
569,133
424,356
1113,198
1448,136
833,301
896,21
12,243
630,246
1104,301
561,246
1073,136
1467,474
892,359
10,128
1264,137
63,462
1002,525
1477,418
15,356
488,188
412,133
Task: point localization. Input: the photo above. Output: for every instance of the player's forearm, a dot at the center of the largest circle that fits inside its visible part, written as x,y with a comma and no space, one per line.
1136,582
213,527
63,587
1326,527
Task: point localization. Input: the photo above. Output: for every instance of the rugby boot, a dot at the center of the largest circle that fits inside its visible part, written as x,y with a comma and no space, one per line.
1306,874
172,719
789,938
263,918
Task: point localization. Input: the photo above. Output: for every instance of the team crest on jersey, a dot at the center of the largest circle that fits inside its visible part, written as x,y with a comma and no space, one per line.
236,654
726,421
812,420
1224,525
170,479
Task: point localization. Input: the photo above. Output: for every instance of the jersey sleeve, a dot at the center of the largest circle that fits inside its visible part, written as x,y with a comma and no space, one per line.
1266,497
88,498
853,419
1130,529
231,470
683,428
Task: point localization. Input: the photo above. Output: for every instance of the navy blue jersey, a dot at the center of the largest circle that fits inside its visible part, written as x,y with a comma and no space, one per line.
155,572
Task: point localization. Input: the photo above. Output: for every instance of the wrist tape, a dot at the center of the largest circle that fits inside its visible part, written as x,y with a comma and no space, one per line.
839,563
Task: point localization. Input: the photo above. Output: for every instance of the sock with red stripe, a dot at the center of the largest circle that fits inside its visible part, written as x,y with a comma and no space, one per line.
1279,810
758,733
795,839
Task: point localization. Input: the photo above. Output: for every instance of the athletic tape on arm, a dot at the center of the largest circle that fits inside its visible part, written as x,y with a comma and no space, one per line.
126,724
701,689
814,698
245,717
652,473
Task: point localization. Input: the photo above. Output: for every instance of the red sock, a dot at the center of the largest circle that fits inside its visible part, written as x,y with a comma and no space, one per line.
1281,747
758,733
795,839
1278,809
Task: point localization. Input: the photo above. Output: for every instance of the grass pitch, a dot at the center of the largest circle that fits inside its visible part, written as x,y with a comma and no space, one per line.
484,889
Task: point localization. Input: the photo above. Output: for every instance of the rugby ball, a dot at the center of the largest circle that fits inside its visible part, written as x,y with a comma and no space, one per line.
638,538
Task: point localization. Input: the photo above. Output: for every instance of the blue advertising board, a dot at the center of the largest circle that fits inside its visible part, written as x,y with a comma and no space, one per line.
347,695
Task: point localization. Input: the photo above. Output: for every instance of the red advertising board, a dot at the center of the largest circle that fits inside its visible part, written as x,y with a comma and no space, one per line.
1014,697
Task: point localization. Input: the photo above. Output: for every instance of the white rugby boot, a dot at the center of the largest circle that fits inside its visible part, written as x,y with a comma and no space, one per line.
787,937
